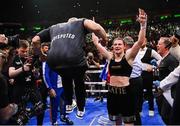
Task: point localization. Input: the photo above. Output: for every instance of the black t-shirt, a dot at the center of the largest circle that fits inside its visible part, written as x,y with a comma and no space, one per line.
67,43
24,78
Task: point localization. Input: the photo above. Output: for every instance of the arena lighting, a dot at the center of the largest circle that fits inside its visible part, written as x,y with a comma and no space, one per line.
37,28
164,17
125,21
110,22
177,15
22,29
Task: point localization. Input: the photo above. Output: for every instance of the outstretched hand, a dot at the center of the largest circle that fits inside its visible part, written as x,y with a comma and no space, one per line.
95,39
142,17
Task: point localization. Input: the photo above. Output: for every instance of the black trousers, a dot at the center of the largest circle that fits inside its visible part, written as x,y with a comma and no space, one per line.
76,75
175,116
44,93
148,84
138,88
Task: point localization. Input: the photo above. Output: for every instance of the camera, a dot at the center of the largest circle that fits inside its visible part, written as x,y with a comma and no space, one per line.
24,112
29,59
27,113
13,41
24,116
90,57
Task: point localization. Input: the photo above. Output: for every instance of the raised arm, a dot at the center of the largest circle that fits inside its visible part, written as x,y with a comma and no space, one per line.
142,19
96,28
100,48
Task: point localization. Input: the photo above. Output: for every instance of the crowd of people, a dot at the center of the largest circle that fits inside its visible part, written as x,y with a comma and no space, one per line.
55,61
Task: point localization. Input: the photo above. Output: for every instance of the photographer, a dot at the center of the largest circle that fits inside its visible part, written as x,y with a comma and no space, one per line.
94,77
91,60
24,84
6,110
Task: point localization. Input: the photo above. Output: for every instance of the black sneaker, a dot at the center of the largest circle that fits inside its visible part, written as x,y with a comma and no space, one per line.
66,119
97,98
101,98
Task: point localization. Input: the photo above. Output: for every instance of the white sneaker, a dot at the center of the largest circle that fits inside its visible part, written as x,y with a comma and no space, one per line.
70,108
74,104
80,114
151,113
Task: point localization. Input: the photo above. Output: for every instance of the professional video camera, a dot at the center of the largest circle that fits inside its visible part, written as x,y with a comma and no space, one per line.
34,66
13,41
24,113
90,56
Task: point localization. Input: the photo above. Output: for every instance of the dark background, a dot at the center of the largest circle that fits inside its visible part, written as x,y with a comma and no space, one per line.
46,12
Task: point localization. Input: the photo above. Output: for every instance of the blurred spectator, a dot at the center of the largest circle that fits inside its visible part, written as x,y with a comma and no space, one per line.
7,109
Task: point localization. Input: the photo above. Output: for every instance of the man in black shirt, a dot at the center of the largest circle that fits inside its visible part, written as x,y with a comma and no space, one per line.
67,57
25,89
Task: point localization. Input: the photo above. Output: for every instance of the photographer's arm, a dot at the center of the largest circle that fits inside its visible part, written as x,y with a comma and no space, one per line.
96,63
15,72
